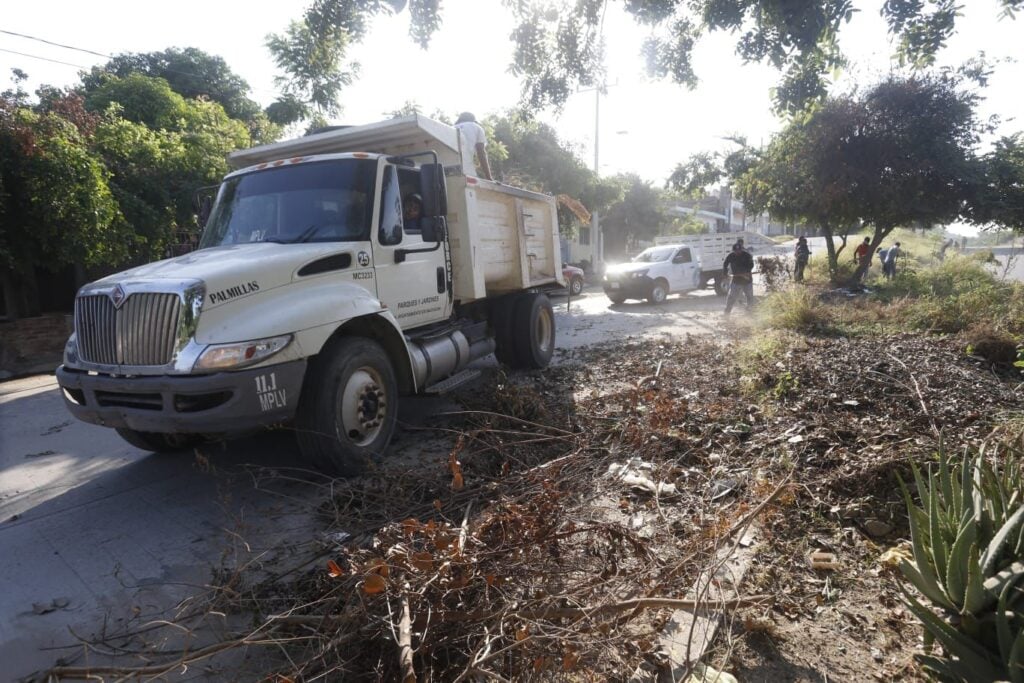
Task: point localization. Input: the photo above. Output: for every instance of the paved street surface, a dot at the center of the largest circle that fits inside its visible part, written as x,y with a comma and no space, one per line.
97,532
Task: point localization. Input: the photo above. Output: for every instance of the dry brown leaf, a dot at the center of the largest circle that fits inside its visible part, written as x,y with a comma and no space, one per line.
377,566
333,569
410,526
522,633
570,660
374,583
422,561
457,483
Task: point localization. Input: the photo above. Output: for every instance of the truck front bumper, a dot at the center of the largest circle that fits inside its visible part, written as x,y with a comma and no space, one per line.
224,402
629,287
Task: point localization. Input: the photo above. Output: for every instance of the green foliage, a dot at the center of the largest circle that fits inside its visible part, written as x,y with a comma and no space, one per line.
310,56
55,200
190,72
968,538
901,153
639,215
138,98
558,46
1000,197
796,309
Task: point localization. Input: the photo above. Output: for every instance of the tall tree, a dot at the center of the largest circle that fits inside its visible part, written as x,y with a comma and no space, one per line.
900,154
999,197
640,214
190,72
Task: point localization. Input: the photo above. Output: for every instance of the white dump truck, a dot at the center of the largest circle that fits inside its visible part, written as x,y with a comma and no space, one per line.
317,296
678,264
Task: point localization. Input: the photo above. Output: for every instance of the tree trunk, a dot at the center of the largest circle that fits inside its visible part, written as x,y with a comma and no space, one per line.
881,232
833,257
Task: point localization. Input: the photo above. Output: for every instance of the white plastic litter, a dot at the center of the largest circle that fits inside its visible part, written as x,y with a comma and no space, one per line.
636,473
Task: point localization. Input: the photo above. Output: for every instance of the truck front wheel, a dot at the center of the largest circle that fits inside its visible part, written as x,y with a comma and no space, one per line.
659,292
721,285
348,409
157,442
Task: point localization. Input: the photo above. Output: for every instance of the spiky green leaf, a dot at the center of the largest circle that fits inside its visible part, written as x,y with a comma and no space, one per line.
959,556
975,595
995,548
939,550
925,583
969,653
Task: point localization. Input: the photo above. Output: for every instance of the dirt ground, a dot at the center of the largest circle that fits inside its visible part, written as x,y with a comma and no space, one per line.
495,543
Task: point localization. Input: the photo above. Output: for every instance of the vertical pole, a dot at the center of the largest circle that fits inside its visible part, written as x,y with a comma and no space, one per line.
596,243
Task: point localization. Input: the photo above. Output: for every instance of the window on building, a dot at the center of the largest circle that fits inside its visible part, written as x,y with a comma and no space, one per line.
585,235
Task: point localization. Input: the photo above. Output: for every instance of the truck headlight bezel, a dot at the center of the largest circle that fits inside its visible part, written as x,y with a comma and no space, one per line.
237,355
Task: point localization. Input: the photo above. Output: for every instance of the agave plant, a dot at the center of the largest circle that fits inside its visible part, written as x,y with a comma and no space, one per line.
968,540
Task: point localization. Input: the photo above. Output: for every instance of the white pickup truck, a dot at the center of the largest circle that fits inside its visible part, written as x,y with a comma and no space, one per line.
678,264
317,297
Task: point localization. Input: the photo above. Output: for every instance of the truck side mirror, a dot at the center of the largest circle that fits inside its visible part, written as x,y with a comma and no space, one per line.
432,229
434,193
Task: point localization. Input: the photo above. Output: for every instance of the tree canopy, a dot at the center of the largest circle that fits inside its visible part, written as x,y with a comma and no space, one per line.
104,175
559,45
901,153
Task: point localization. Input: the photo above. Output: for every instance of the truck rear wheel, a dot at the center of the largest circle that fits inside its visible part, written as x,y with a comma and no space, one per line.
157,442
534,331
348,408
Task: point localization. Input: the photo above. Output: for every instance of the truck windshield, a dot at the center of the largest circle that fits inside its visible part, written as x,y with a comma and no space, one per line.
323,201
654,254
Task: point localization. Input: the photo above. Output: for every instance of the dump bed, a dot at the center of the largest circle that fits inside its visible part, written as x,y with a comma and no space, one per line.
503,239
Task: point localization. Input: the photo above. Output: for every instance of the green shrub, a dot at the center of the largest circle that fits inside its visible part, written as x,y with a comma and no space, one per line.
795,308
968,537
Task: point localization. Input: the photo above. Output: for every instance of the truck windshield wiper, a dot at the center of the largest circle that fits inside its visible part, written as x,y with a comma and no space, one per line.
304,236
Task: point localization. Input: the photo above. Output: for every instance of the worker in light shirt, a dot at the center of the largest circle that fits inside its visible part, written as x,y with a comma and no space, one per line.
473,140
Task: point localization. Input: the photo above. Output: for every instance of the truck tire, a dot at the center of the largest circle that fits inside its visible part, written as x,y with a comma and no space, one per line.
659,292
534,331
348,408
157,442
502,317
576,286
721,285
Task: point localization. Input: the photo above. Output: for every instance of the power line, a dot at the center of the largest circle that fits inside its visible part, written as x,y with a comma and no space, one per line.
100,54
45,59
50,42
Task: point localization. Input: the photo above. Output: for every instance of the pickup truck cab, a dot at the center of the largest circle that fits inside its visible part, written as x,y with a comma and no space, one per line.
654,274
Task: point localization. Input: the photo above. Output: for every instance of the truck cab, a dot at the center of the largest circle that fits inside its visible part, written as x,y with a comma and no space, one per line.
317,297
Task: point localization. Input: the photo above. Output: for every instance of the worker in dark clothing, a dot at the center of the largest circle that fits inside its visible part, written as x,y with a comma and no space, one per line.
740,264
802,254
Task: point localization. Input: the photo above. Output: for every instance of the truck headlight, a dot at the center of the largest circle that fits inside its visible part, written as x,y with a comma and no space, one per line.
240,354
639,273
71,350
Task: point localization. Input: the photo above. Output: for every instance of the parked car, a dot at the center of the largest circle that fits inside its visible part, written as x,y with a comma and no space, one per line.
574,278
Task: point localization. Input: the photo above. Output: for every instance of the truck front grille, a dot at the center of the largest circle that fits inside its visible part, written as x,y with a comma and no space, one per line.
142,332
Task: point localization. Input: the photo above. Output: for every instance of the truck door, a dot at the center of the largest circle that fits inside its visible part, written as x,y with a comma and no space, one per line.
684,271
414,289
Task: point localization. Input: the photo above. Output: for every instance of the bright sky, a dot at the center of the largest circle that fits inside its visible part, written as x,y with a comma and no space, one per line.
645,127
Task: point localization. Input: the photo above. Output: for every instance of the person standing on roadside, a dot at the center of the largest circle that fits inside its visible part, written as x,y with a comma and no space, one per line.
474,143
889,264
740,264
862,251
802,253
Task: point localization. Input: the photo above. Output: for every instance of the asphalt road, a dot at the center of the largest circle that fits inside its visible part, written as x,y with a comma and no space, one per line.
98,536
